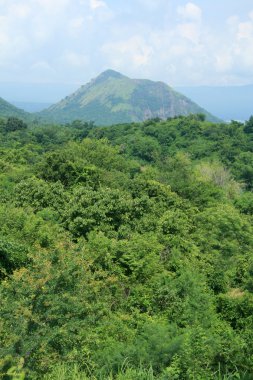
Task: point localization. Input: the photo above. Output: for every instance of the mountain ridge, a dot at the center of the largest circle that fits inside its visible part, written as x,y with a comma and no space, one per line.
9,110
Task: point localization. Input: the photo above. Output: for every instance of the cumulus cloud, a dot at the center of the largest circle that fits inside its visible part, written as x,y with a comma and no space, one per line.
223,62
151,38
21,10
245,30
190,11
150,4
190,31
134,51
234,58
96,4
76,25
50,6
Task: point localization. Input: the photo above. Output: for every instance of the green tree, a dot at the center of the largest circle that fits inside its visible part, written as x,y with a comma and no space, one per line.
15,124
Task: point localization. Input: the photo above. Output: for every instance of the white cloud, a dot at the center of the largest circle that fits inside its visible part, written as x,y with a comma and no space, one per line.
96,4
41,33
133,51
190,27
75,26
4,47
4,40
150,4
224,62
21,10
51,6
232,20
76,23
151,38
189,31
245,30
190,11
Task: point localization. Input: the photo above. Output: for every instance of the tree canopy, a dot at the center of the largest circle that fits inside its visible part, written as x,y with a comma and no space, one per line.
126,251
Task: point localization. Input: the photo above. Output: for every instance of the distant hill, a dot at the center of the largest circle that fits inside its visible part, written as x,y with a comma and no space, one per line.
114,98
7,110
226,102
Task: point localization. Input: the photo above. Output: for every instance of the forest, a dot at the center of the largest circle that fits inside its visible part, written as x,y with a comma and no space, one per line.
126,252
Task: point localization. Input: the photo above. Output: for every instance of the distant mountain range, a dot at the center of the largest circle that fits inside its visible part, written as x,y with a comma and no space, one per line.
113,98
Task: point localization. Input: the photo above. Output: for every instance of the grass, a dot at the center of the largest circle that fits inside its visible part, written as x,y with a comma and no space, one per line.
73,372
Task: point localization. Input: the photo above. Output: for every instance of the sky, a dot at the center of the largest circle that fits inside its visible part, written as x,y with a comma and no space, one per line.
183,43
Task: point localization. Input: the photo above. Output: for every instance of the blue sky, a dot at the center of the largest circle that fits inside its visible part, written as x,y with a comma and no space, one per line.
199,42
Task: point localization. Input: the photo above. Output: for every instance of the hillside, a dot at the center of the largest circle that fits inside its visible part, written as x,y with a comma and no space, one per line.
8,110
114,98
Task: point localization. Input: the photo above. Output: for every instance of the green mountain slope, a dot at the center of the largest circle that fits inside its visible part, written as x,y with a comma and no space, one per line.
7,110
114,98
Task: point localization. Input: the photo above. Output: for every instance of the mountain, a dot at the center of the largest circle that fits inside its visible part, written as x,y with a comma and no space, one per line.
227,102
113,98
7,110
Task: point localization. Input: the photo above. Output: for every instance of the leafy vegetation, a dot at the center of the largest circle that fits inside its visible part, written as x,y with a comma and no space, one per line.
126,251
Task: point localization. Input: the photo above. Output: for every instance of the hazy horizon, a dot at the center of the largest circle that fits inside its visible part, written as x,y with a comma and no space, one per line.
50,92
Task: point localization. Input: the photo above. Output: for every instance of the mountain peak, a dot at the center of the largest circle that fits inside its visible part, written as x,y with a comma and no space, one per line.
110,74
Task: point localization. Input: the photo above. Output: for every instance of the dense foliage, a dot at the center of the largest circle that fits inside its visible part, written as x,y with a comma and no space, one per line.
126,251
